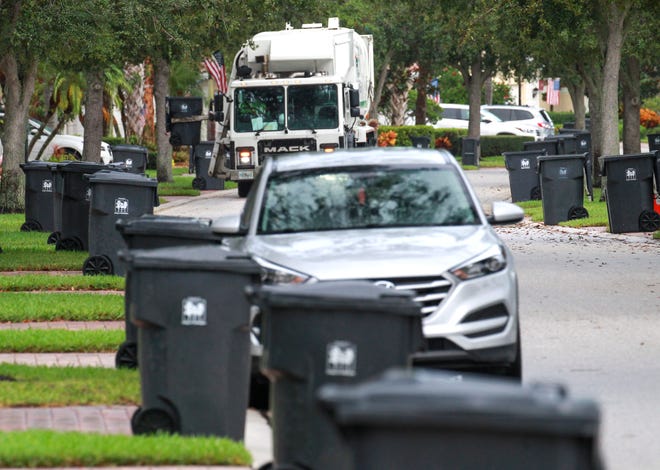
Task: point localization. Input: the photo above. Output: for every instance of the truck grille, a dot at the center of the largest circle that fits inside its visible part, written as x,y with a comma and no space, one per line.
429,291
279,146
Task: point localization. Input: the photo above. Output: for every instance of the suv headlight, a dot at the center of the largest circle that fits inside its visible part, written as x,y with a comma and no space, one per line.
490,262
274,274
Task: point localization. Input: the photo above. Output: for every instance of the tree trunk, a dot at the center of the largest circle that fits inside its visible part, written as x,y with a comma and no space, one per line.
610,108
149,131
18,92
161,90
93,117
420,105
576,90
473,79
382,78
630,81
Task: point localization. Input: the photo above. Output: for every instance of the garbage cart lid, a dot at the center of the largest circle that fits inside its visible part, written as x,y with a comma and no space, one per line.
445,399
35,165
349,296
159,225
119,177
211,257
129,147
511,157
84,167
632,158
575,156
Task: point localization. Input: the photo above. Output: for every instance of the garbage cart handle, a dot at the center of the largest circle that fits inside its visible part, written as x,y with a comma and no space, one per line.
587,170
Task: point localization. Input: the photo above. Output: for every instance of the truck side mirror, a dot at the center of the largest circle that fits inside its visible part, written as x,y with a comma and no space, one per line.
354,101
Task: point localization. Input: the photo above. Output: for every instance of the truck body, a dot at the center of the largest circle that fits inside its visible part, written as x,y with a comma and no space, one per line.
293,90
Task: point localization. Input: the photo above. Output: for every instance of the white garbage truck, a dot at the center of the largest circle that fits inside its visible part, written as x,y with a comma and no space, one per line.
294,90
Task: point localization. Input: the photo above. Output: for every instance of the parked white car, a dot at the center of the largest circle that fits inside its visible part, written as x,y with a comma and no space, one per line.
524,115
69,145
456,116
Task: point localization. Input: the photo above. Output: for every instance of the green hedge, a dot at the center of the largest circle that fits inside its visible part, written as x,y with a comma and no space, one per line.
490,145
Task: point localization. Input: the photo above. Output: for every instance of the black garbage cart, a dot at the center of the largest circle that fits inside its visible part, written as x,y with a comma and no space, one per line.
114,196
328,332
437,419
562,187
629,192
194,338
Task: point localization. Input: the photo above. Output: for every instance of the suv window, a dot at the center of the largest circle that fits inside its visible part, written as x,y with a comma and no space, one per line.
521,115
454,113
503,114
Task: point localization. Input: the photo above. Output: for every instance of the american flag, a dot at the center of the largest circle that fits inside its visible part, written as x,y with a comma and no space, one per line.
216,68
553,91
435,93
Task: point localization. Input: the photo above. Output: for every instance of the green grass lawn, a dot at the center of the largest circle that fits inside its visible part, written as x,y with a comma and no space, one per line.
71,449
39,340
597,212
77,282
53,306
67,386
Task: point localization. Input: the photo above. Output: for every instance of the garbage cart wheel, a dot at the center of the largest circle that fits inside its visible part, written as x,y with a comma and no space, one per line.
577,212
649,221
53,238
199,183
69,244
126,357
535,194
31,225
153,420
97,265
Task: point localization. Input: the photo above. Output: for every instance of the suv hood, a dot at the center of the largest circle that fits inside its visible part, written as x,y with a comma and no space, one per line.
374,253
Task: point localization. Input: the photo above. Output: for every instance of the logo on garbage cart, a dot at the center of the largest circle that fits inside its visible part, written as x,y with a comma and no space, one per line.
631,174
121,206
46,186
129,163
524,164
341,358
88,194
563,172
193,311
208,153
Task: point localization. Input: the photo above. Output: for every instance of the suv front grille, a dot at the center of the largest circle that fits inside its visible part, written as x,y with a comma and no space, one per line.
429,291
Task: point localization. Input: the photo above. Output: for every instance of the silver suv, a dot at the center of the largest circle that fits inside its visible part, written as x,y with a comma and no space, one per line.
535,117
401,218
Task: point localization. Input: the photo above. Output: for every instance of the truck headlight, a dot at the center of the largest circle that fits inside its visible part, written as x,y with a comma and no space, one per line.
274,274
490,262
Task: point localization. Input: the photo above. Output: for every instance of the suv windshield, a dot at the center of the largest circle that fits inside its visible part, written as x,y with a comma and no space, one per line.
374,197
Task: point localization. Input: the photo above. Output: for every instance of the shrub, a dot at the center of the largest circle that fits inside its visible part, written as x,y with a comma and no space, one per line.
649,118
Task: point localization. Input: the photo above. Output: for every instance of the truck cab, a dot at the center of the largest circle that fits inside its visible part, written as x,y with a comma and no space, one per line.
290,91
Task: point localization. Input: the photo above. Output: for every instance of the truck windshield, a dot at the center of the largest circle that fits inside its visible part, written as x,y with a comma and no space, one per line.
312,107
364,198
259,109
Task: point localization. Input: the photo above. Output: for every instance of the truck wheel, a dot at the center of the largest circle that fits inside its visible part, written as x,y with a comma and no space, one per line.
244,188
